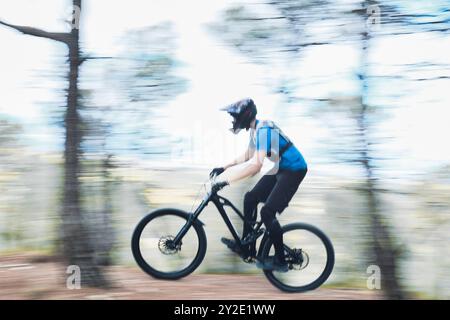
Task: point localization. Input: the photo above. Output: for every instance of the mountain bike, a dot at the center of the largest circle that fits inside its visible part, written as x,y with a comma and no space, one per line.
170,244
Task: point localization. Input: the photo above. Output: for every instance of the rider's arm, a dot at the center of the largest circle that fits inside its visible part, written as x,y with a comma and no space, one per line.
249,170
241,159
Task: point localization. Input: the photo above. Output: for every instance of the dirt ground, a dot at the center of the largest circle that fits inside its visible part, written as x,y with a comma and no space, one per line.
31,277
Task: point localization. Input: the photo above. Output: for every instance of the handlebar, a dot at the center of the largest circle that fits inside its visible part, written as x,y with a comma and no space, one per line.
212,179
216,186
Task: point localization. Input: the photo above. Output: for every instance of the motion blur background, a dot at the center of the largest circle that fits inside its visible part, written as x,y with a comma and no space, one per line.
361,87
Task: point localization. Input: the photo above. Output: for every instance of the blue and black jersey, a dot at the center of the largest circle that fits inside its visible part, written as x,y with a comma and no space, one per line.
267,136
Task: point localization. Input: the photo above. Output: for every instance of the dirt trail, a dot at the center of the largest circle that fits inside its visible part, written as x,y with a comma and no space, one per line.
25,277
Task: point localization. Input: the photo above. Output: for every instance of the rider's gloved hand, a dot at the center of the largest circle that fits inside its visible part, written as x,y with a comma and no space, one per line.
219,185
216,172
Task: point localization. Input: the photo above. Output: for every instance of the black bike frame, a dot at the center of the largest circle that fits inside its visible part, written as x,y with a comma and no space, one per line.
220,202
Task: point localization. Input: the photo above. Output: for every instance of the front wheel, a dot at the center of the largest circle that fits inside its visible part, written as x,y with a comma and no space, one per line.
156,253
310,256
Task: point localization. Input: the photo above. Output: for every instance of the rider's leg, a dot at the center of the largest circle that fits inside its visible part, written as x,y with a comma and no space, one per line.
250,212
278,200
250,204
258,194
276,234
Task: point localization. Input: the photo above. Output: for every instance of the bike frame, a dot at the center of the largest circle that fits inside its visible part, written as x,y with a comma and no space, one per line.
220,202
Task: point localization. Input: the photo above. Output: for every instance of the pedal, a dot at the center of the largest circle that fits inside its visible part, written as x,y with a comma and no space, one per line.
252,237
231,245
249,260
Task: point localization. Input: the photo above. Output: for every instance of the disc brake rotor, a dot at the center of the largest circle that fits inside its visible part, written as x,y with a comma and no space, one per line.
166,245
300,259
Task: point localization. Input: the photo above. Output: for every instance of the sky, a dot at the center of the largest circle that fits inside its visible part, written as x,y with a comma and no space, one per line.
417,126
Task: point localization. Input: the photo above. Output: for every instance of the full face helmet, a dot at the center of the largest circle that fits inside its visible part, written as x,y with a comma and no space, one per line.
243,113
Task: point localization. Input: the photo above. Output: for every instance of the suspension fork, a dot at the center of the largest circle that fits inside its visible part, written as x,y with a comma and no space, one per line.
192,219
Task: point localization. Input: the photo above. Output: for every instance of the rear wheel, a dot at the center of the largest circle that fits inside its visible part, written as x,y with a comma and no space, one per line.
153,248
310,256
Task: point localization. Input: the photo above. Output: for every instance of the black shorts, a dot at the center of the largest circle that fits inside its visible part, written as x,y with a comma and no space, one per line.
277,190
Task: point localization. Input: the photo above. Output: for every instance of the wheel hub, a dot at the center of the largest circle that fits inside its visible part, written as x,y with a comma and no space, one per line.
299,259
167,246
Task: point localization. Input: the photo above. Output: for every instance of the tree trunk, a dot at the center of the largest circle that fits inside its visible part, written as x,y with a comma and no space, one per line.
77,240
105,239
382,243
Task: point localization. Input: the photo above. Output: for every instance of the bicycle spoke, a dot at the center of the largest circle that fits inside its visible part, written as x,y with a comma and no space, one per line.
155,244
307,258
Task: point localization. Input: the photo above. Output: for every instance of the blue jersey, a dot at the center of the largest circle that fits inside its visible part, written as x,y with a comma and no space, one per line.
267,136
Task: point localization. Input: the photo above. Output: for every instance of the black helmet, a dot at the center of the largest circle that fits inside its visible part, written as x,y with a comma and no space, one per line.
243,113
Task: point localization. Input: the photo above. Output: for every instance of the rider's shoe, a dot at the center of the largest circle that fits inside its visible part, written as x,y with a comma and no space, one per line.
247,254
250,255
250,259
273,264
232,245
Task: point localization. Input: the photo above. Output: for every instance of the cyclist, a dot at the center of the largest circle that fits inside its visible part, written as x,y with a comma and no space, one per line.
275,189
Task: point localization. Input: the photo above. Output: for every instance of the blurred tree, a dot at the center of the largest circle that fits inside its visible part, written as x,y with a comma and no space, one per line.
275,34
266,37
8,136
129,99
10,170
433,225
262,36
382,243
378,16
121,102
78,246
